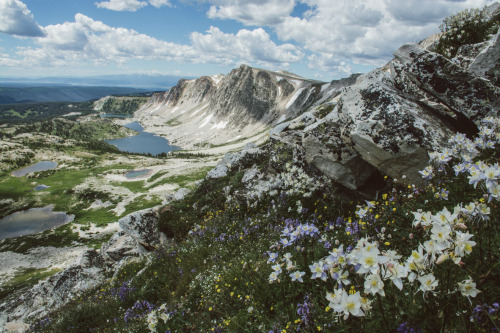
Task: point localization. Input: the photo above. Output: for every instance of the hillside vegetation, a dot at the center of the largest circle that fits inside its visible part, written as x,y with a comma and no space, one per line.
306,256
121,105
32,112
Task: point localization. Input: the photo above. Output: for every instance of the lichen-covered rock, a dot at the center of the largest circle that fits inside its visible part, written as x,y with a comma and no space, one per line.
487,62
234,161
142,226
251,174
121,245
416,71
181,194
87,272
218,172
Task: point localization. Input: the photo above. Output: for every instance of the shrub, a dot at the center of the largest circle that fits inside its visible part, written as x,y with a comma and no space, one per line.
469,26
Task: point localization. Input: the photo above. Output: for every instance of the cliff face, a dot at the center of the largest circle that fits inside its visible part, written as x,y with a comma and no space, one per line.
215,110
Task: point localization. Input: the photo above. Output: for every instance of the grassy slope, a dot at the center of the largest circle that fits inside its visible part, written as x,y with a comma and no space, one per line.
217,277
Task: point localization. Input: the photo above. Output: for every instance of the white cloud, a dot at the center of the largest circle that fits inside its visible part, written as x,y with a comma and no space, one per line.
122,5
257,12
251,46
16,19
89,42
131,5
330,64
365,31
160,3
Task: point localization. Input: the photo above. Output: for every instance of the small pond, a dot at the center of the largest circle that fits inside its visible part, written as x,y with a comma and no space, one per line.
41,187
31,221
136,173
40,166
142,143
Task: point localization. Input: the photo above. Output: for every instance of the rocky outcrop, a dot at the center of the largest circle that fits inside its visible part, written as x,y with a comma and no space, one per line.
388,121
87,272
487,63
139,235
235,161
121,245
180,194
142,226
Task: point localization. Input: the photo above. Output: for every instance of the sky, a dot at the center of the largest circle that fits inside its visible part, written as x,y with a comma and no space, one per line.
317,39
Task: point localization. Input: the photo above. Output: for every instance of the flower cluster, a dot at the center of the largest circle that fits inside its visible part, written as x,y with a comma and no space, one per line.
291,235
294,181
124,291
463,151
138,310
467,27
153,317
445,236
482,313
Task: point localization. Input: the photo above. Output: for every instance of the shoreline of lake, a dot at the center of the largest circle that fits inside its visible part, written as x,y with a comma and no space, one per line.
143,143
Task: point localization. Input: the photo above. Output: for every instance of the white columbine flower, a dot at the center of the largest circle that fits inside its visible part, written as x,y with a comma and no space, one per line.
463,244
396,273
374,284
444,216
369,260
165,316
273,276
277,268
335,298
318,270
468,288
427,173
349,305
272,257
427,283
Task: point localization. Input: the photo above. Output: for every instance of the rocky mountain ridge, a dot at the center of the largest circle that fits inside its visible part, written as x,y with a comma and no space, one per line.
219,109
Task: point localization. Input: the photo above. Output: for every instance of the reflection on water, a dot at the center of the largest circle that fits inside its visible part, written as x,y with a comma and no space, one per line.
32,221
40,166
136,173
142,143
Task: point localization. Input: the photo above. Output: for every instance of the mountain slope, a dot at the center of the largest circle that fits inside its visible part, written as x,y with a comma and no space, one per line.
219,109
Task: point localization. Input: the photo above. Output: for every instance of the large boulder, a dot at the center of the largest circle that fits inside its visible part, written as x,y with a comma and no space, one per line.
143,227
121,245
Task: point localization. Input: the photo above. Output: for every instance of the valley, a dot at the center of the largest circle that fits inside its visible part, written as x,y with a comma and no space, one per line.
94,182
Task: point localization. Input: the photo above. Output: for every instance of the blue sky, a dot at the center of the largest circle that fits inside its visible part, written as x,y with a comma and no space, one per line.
322,39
